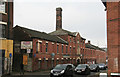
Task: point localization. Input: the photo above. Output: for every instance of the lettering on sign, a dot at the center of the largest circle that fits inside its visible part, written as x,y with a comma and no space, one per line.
2,6
26,44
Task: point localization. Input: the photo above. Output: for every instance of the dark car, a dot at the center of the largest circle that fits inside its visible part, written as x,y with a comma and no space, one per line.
94,67
62,70
102,66
82,69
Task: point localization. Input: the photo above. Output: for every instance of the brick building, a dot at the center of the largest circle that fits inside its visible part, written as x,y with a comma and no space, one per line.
93,54
113,35
47,50
6,44
41,51
75,42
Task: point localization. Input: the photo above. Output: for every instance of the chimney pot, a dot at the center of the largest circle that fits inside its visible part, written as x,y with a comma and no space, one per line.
88,41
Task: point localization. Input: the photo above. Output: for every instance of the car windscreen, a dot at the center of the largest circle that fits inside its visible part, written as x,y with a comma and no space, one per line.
92,66
81,66
101,64
60,67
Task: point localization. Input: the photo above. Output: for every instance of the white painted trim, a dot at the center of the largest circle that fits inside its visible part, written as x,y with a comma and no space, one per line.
39,58
62,58
3,13
46,58
4,23
52,42
2,38
40,41
118,74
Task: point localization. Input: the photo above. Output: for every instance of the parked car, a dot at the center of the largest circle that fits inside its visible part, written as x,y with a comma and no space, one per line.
62,70
102,66
82,69
94,67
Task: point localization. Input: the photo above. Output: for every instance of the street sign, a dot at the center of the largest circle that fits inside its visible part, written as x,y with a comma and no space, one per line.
10,55
34,55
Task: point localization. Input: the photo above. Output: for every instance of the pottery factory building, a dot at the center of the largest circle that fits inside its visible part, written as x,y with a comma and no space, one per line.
40,51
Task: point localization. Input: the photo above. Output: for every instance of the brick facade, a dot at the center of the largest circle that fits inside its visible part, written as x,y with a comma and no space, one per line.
113,35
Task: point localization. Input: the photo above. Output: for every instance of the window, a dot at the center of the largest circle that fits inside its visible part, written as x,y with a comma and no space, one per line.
57,48
46,47
53,47
66,49
78,41
37,47
74,39
62,48
2,31
70,49
70,38
40,47
74,49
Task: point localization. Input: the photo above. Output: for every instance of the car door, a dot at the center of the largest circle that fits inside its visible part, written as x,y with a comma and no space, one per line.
69,70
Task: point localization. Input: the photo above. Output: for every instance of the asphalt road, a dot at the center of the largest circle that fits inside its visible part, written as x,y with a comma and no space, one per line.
93,74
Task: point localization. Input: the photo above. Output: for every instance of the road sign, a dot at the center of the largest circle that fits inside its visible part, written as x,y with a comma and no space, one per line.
10,55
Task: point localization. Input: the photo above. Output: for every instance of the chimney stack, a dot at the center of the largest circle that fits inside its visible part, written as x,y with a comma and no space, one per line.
88,41
58,18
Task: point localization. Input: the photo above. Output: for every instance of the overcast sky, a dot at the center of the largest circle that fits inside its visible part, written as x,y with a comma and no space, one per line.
84,16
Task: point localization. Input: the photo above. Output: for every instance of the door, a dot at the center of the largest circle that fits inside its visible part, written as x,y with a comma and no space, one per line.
2,58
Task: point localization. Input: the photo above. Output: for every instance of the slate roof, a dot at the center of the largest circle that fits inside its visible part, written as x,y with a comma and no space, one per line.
93,47
42,35
65,32
61,32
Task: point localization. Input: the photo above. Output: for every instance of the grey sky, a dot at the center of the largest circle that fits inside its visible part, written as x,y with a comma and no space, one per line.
84,16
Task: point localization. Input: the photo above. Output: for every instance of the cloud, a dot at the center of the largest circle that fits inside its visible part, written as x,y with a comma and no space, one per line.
88,18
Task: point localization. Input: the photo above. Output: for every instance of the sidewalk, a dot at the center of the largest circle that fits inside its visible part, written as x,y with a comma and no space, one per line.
32,73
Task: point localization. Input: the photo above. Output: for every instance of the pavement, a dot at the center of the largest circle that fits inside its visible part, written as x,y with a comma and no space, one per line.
47,73
38,73
33,73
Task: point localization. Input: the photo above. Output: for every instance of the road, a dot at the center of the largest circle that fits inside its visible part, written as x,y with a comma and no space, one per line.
93,74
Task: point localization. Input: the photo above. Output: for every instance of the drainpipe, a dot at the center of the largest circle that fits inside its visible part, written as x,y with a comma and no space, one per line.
8,20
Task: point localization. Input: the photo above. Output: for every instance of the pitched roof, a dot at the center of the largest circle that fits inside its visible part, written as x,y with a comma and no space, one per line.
93,47
42,35
62,32
89,46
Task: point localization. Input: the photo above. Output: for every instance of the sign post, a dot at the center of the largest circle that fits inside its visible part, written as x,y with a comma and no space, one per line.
10,55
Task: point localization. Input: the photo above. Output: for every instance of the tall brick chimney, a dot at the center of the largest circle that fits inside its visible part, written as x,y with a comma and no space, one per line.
89,42
58,18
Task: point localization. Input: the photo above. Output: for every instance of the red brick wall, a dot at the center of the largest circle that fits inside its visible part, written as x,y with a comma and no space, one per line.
113,36
95,55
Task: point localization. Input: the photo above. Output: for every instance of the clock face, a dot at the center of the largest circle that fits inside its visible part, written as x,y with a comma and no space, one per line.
2,6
